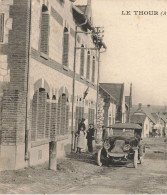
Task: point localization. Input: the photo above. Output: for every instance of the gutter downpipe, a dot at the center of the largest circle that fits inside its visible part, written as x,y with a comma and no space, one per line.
27,92
98,78
73,92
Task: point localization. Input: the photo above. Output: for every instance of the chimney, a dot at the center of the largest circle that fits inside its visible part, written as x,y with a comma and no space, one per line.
148,105
139,106
89,2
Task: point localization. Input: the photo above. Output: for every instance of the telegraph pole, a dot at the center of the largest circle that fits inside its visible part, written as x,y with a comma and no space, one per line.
130,100
98,44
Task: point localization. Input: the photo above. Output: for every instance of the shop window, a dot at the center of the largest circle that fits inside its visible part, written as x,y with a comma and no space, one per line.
65,47
88,66
82,60
44,44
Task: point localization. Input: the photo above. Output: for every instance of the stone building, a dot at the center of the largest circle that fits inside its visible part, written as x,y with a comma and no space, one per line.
47,83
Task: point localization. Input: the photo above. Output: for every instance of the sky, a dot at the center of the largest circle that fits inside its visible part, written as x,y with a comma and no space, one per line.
136,47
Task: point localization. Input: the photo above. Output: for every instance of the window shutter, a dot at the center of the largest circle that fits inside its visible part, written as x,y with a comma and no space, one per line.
44,33
1,27
82,58
88,67
93,71
65,49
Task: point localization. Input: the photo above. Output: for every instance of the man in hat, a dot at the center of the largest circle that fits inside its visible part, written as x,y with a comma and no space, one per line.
90,137
81,124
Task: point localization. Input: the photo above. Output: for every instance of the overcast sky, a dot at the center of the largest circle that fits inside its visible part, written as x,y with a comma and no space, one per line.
136,47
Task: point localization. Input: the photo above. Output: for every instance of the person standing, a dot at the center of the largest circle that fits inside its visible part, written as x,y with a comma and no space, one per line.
82,124
81,140
90,137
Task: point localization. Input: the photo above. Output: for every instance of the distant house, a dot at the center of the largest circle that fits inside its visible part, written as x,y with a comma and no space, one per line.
161,122
148,125
116,90
164,123
142,119
157,120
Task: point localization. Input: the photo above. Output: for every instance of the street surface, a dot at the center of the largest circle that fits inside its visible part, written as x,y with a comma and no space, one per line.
78,173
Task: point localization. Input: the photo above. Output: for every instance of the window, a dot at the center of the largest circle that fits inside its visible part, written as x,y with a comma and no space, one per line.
1,27
88,66
62,115
39,108
93,70
65,47
82,60
44,44
91,115
79,115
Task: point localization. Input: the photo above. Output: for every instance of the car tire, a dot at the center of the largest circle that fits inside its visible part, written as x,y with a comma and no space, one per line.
99,158
135,159
141,154
141,160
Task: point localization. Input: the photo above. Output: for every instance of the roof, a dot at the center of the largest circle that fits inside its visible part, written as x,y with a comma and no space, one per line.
152,108
101,89
114,89
155,117
138,118
147,113
125,126
163,117
80,17
150,116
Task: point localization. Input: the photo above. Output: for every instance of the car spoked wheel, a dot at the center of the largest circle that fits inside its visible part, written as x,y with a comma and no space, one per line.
141,160
141,154
100,157
135,159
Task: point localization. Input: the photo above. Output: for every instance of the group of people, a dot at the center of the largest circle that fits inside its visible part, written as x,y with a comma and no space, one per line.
82,134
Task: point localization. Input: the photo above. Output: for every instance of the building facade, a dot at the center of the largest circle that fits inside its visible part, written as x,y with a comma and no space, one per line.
142,119
116,90
42,60
106,108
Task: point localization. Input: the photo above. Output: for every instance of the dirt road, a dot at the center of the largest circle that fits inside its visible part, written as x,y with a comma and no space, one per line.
78,173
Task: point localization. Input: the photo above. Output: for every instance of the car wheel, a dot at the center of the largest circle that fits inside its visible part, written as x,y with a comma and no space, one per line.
100,158
135,159
141,160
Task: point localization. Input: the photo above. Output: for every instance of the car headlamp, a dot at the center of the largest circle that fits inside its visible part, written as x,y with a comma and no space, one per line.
106,144
126,147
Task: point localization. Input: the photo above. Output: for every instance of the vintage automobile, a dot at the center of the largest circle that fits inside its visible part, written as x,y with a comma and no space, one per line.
123,146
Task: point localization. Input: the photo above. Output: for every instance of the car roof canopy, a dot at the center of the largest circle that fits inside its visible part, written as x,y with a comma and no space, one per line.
125,126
